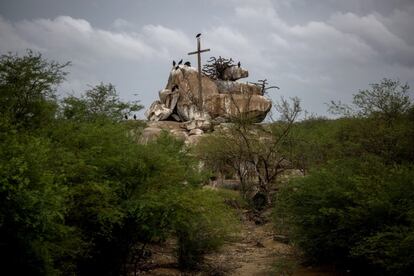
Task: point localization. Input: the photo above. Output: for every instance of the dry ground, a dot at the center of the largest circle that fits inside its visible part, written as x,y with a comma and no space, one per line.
253,253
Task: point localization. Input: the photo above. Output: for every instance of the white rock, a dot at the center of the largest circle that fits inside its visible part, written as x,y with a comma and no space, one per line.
196,131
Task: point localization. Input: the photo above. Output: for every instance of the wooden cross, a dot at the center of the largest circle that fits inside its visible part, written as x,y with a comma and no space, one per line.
198,52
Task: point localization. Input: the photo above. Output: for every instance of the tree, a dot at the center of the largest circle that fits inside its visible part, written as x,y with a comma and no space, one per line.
267,148
32,194
100,101
387,99
354,208
27,88
80,196
258,154
34,239
378,122
355,213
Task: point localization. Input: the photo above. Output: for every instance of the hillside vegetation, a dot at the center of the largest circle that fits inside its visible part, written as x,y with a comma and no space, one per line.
80,196
355,206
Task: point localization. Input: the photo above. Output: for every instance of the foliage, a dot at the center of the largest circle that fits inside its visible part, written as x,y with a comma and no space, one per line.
123,193
355,208
203,224
387,100
257,154
101,101
223,156
33,237
78,195
232,198
353,212
381,134
198,218
313,143
285,266
27,87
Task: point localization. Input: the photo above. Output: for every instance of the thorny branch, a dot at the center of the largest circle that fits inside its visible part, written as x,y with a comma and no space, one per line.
215,67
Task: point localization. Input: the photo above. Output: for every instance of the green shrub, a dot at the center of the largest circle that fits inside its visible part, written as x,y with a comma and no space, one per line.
356,213
198,218
203,224
27,89
33,236
77,193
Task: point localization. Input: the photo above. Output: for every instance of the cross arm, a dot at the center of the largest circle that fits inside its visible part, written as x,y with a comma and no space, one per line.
201,51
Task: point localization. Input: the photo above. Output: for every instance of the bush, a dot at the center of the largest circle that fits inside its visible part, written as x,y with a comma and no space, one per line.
77,193
120,191
33,236
356,213
27,89
198,218
202,225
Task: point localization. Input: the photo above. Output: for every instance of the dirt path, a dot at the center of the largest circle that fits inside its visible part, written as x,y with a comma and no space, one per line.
253,253
257,253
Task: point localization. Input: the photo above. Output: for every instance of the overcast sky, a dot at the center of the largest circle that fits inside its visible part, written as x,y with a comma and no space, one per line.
317,50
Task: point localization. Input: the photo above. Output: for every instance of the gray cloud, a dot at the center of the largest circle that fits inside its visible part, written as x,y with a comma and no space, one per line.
314,51
322,60
96,54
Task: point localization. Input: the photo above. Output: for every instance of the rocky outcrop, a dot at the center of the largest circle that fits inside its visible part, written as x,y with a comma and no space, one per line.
185,78
158,112
222,99
253,107
179,130
234,73
234,87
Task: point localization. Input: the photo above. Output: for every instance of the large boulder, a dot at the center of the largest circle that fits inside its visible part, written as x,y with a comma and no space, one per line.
155,128
234,73
204,125
221,98
253,107
158,112
169,98
234,87
186,78
163,109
